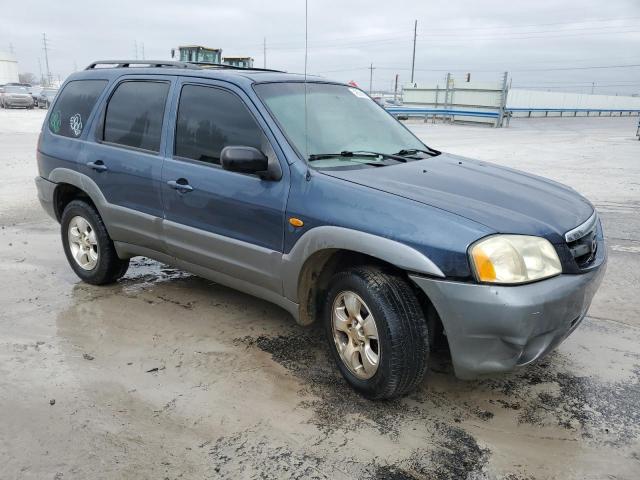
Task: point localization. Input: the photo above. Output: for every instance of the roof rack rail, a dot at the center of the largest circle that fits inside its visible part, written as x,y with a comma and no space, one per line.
232,67
151,63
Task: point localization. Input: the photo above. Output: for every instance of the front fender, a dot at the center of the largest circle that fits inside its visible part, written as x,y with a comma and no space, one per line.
333,238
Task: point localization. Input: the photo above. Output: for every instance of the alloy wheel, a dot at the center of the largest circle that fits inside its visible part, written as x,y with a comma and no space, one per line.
355,334
83,243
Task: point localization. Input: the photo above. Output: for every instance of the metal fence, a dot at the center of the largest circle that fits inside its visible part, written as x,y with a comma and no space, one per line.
494,103
456,101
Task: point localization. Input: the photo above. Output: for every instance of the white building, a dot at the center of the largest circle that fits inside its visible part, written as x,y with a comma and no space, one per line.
8,68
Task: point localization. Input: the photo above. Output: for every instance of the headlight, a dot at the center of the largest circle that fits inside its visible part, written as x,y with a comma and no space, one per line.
514,259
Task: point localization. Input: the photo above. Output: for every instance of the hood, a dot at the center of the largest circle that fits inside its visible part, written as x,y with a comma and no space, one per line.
503,199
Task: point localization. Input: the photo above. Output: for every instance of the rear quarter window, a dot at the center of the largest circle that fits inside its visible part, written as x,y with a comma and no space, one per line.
71,111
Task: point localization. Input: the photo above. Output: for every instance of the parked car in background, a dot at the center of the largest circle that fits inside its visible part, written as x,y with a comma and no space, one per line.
16,96
46,97
35,93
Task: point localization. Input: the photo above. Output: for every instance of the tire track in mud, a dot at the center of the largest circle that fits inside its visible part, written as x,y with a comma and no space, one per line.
337,409
544,395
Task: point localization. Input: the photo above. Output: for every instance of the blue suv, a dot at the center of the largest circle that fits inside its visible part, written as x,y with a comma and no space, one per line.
306,193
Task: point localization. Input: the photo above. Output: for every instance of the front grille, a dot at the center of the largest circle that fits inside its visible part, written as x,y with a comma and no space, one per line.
582,241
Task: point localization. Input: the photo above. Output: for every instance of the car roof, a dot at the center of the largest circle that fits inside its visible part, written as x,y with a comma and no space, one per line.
244,76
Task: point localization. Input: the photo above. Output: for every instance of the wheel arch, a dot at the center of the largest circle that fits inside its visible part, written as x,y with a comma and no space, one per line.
75,185
322,251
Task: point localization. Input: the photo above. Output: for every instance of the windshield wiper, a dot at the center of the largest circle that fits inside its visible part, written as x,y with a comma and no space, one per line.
357,153
412,151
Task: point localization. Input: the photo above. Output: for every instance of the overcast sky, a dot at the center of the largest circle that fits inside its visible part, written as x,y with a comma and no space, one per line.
536,41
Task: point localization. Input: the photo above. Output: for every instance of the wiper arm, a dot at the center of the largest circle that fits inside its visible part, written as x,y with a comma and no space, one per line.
357,153
412,151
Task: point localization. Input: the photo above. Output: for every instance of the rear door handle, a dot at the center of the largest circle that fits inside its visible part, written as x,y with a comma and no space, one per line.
182,185
98,166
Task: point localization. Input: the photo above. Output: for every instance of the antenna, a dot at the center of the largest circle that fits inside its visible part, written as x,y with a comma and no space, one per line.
306,38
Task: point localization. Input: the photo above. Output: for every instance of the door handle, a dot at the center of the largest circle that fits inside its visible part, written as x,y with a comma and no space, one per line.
182,185
98,166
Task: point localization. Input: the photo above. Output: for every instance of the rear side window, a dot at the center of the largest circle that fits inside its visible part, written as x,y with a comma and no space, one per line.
210,119
71,111
134,114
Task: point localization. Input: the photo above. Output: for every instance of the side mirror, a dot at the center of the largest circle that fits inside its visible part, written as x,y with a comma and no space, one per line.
248,160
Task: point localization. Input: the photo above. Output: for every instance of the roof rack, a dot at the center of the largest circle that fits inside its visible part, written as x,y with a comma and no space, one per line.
231,67
174,64
150,63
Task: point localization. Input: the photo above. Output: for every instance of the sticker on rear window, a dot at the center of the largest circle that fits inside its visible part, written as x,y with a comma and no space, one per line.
75,122
54,121
358,93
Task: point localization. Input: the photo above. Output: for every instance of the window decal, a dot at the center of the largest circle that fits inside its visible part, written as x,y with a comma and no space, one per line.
54,121
75,122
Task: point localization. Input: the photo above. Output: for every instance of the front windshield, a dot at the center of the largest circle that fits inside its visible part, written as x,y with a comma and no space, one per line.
15,89
339,119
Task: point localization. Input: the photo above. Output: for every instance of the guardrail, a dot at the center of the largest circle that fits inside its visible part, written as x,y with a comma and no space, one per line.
444,112
450,113
509,111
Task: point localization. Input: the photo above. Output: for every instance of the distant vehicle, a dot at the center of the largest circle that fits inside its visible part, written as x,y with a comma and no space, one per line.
354,222
46,97
35,93
16,96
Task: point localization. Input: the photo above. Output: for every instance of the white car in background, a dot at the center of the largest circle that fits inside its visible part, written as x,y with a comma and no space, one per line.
16,96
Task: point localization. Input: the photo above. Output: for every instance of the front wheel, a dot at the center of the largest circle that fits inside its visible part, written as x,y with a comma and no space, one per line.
87,245
377,332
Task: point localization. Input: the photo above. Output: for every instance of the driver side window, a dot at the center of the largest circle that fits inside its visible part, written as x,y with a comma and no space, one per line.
210,119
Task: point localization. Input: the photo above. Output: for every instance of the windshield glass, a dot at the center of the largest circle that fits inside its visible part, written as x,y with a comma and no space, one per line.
339,119
15,89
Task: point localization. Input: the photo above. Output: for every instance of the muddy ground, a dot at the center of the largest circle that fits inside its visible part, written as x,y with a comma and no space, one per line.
168,376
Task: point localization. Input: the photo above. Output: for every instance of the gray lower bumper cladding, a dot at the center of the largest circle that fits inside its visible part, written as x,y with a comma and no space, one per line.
494,329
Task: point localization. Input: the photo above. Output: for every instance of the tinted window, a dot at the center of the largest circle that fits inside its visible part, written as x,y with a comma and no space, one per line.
210,119
134,114
70,113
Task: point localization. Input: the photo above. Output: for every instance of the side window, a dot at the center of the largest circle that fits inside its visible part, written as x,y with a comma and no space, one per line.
210,119
70,113
134,114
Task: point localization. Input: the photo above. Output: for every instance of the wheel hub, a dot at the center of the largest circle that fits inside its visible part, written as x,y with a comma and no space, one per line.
355,334
83,243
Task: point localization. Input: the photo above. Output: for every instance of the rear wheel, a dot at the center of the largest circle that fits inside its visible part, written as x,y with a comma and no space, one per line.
377,332
87,245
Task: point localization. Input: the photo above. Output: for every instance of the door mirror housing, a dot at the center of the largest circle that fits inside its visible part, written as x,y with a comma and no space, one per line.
249,160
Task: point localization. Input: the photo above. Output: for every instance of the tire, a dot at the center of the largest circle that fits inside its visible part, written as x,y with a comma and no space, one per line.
98,262
402,345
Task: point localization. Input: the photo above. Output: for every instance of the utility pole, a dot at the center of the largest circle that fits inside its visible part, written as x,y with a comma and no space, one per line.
395,89
593,86
40,68
371,78
46,57
264,57
413,59
142,50
135,48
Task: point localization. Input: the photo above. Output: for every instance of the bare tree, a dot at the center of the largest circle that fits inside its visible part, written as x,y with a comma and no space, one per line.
27,77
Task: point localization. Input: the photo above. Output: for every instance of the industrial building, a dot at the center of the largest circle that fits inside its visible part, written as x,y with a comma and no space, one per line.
8,68
199,53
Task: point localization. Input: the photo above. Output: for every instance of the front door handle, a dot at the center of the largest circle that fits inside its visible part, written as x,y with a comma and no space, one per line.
98,166
182,185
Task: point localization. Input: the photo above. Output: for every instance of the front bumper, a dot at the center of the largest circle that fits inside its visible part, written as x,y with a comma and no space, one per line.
46,190
18,102
494,329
